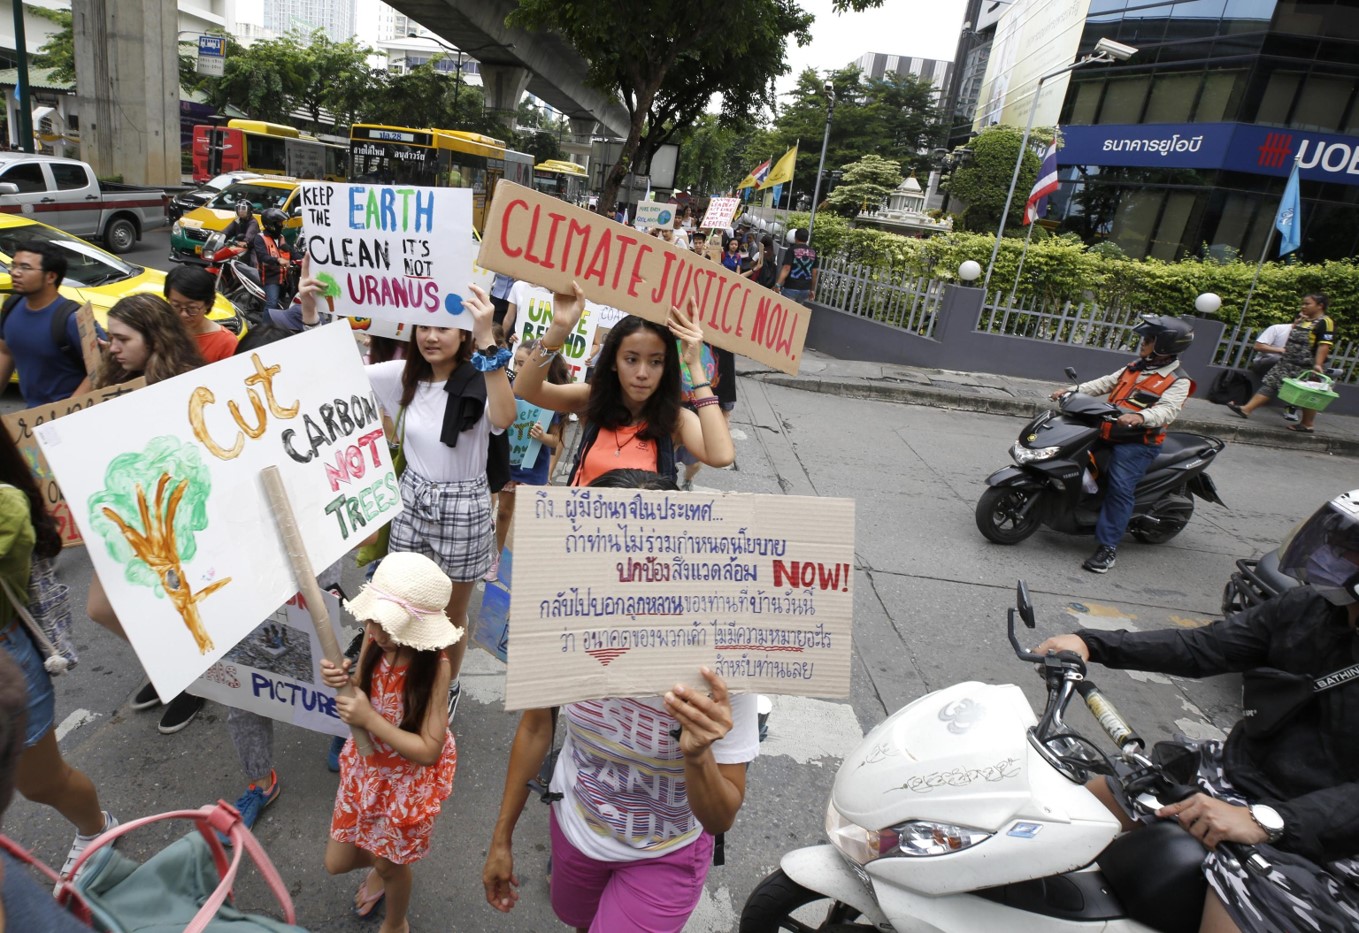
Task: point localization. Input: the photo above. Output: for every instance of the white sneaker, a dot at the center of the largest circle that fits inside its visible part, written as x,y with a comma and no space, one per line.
1292,414
82,843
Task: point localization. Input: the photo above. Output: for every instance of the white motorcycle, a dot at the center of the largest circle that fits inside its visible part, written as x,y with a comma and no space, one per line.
963,813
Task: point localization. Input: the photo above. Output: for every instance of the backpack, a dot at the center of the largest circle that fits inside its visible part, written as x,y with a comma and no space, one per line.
665,454
64,308
1230,386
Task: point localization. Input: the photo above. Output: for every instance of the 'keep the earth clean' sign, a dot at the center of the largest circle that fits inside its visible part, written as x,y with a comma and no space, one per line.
398,253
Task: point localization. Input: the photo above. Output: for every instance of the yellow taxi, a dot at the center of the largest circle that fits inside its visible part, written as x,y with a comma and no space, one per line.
93,275
190,232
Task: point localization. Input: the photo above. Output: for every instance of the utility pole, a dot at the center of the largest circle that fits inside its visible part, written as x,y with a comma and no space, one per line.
25,139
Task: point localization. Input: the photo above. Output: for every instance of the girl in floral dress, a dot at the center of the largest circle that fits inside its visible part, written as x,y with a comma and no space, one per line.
386,803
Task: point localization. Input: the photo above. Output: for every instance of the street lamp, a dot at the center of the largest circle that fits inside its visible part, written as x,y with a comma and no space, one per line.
457,78
829,90
1106,51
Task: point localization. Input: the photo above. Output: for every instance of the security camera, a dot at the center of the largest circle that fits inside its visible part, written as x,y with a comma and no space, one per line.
1115,50
828,87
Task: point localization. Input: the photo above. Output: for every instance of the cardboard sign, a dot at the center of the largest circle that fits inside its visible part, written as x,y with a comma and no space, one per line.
164,484
391,252
720,213
537,238
634,590
89,338
275,671
21,425
534,314
652,215
523,448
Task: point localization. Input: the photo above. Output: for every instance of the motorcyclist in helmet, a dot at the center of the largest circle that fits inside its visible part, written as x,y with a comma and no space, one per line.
1286,781
272,255
1152,388
243,229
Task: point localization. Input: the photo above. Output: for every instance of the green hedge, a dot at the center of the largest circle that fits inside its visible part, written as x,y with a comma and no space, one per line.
1062,268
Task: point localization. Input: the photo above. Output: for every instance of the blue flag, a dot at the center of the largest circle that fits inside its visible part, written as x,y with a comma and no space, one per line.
1288,221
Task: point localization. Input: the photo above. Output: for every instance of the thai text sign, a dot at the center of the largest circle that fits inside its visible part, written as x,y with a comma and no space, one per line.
720,213
391,252
275,671
164,485
633,591
21,425
537,238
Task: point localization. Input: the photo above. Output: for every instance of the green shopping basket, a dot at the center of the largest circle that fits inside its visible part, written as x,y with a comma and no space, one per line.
1293,392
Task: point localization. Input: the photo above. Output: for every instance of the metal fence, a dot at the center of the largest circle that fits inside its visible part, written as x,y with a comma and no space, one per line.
1086,323
1237,349
884,295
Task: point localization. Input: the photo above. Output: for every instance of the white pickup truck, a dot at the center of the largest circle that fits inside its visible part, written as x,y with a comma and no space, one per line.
66,194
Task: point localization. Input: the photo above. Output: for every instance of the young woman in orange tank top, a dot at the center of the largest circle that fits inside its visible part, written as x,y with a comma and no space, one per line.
634,400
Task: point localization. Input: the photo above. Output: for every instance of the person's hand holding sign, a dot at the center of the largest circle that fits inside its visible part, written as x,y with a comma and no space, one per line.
353,710
715,790
684,326
310,292
567,309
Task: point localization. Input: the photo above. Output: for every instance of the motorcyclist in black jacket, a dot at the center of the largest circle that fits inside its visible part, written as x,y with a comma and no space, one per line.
1287,778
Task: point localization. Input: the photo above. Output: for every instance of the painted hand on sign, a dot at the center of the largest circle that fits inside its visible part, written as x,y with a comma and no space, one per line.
154,556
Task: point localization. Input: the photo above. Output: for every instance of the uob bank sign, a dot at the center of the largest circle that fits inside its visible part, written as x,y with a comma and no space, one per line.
1236,147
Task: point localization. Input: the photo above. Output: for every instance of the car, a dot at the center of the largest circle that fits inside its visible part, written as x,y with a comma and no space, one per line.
190,232
53,187
186,201
93,275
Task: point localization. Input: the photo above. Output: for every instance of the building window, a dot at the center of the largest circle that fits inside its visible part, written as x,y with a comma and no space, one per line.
1322,103
1216,100
1124,99
1277,100
1172,98
1085,103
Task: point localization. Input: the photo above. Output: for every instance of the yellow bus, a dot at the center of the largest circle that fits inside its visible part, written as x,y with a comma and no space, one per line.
265,149
404,155
565,180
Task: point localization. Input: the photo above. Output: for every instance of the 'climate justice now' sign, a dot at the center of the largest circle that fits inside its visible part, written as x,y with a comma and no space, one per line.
537,238
391,252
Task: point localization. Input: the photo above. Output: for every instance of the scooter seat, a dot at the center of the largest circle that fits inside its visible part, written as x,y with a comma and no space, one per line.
250,275
1157,874
1179,447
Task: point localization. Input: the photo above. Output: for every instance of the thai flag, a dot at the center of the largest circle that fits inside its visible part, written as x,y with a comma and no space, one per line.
1046,184
761,173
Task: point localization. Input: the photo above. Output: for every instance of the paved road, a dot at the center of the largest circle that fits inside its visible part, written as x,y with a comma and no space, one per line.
929,610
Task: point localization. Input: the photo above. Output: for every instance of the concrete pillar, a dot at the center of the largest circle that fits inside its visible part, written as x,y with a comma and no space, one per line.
127,73
503,87
954,321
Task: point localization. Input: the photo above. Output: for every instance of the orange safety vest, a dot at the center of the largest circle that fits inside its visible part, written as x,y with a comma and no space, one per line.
1135,395
272,247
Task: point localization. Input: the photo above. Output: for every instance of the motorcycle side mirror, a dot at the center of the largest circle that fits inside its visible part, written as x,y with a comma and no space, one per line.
1070,373
1023,603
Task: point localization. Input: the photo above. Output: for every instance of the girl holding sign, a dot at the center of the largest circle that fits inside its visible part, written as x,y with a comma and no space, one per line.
634,407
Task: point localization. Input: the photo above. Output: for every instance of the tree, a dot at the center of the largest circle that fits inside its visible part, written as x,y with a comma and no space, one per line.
865,185
982,184
540,144
58,52
666,61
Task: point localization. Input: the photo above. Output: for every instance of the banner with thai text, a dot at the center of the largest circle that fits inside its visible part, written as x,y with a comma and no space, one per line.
633,591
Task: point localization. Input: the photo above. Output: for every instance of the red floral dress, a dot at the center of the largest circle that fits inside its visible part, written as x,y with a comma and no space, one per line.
386,804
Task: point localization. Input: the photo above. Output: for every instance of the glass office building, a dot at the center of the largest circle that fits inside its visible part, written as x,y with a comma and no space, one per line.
1186,147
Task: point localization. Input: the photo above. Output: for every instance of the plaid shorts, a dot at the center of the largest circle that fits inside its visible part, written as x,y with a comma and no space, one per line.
450,523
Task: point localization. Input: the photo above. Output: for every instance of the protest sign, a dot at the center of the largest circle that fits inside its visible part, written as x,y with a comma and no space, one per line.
21,424
720,213
537,238
633,591
164,484
275,671
89,337
652,215
533,314
491,630
523,448
391,252
606,317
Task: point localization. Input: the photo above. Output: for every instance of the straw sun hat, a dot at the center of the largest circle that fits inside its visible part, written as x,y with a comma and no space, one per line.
407,598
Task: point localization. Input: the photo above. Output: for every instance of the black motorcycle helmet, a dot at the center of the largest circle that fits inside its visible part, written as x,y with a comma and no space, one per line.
1171,335
273,220
1323,551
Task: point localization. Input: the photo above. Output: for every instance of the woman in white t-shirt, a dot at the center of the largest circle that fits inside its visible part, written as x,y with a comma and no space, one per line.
642,783
446,400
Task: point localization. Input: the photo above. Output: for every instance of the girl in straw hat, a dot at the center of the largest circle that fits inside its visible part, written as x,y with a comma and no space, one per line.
386,803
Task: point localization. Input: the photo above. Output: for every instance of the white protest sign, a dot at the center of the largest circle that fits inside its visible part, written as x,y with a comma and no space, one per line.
655,214
275,671
164,485
720,213
606,317
391,252
533,314
633,591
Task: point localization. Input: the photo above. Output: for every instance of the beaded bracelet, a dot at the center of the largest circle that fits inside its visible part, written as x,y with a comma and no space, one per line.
701,402
701,385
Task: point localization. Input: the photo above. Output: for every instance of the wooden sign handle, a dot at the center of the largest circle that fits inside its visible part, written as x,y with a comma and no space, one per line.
307,585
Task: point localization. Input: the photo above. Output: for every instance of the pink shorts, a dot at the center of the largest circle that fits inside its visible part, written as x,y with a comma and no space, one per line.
651,895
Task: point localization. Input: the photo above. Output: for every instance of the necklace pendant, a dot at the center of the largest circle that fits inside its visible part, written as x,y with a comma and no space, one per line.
618,452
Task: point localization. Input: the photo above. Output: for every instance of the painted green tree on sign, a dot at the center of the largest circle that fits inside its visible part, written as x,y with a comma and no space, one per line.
152,506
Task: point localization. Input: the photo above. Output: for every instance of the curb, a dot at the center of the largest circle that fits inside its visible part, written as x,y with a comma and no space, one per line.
1256,436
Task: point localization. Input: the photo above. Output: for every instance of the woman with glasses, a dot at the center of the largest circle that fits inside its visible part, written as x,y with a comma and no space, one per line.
191,292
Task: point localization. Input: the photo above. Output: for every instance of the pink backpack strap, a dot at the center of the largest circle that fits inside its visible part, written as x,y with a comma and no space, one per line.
65,892
211,820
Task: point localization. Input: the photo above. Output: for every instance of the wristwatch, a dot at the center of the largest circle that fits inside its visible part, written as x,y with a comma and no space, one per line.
1268,819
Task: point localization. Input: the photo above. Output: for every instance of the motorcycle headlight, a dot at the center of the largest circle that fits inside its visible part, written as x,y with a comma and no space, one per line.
1021,454
916,838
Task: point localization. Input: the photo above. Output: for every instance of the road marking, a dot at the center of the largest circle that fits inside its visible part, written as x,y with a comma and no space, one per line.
81,717
812,731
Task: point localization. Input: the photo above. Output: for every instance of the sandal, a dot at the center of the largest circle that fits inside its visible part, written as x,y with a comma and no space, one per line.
366,906
1299,429
1237,409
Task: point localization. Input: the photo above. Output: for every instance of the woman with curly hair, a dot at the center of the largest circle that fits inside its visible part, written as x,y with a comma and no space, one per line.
146,338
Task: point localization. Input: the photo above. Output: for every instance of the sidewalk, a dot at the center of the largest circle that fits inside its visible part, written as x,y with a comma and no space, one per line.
1005,395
